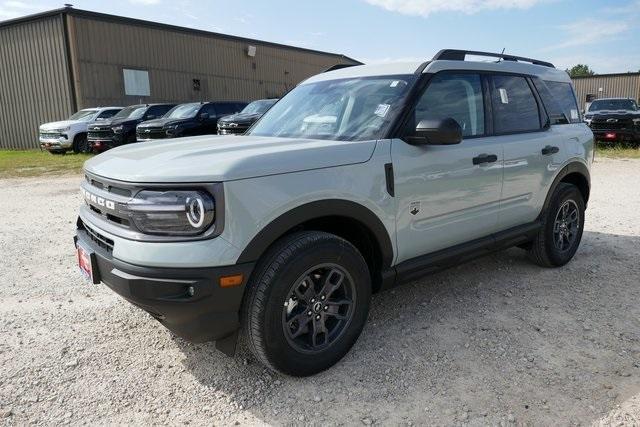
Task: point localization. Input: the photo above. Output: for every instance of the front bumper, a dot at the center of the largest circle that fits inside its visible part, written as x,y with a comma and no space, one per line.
54,143
615,135
187,301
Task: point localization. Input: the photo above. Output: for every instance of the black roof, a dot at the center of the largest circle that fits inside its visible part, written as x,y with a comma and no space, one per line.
140,22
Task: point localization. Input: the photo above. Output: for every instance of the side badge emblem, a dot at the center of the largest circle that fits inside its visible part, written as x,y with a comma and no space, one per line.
414,208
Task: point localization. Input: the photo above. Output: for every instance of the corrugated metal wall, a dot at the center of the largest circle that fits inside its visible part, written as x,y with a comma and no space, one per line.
618,85
34,80
174,58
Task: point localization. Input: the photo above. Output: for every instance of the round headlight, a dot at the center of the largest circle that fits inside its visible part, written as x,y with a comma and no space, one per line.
195,212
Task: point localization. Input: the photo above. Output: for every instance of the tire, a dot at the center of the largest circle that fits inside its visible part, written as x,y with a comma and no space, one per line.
81,145
278,302
550,248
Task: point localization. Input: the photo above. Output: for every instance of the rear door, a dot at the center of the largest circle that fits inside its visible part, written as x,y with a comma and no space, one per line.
533,149
447,194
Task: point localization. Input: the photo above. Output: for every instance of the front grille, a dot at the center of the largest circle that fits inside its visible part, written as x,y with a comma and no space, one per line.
605,124
50,135
119,193
153,133
97,238
105,133
226,130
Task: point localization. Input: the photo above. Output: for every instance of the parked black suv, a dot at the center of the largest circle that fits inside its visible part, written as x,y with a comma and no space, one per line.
614,119
239,123
121,129
194,118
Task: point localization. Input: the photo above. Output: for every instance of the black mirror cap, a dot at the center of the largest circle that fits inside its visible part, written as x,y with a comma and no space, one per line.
203,116
437,132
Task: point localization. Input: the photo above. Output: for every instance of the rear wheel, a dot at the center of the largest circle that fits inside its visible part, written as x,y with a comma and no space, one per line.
563,223
307,303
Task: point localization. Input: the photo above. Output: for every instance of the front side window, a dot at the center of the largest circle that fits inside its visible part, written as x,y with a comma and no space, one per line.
514,106
456,96
344,109
210,109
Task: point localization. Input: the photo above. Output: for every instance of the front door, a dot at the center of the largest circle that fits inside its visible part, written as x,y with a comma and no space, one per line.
447,195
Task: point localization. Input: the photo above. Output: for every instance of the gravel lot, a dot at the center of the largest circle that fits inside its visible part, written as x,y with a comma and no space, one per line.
495,341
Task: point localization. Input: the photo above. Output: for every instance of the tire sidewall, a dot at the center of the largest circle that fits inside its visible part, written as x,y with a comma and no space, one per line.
564,193
282,355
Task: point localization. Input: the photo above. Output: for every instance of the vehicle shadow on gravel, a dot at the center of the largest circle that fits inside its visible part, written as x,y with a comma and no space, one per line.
496,339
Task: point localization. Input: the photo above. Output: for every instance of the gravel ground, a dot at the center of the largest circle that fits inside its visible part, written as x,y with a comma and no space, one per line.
495,341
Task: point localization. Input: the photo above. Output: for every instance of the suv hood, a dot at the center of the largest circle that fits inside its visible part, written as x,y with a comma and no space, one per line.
159,123
224,158
61,124
241,118
114,122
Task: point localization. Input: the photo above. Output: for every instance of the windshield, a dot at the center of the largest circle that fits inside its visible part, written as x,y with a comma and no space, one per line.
83,115
132,112
184,111
345,110
259,107
612,104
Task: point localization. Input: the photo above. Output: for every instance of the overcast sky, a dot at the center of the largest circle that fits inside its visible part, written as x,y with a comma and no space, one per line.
603,34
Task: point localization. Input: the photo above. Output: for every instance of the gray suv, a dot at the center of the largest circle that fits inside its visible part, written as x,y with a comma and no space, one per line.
359,179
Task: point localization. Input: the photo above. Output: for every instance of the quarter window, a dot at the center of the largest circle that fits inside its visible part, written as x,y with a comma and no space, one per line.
456,96
563,93
514,107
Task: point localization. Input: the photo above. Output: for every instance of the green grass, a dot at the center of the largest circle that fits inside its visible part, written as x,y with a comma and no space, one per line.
39,163
617,152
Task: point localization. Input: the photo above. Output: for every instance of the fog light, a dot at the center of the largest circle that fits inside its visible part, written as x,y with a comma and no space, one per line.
191,291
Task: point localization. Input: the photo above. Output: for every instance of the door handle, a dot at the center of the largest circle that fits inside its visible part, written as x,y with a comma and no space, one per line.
485,158
549,149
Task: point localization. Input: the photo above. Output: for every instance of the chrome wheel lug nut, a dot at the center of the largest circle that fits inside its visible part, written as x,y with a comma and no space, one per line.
313,300
326,307
318,317
309,313
323,297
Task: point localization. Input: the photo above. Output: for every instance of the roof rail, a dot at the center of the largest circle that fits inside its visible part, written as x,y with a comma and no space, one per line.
459,55
338,67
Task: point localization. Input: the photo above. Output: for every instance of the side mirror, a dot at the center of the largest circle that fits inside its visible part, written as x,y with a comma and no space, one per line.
203,116
150,117
436,132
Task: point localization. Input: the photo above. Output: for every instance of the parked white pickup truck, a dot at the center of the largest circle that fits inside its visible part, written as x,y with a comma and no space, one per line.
71,134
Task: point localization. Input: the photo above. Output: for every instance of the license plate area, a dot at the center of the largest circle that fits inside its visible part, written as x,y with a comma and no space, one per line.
87,263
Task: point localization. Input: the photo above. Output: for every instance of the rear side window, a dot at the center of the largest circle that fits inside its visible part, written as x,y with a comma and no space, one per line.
563,93
557,116
456,96
514,106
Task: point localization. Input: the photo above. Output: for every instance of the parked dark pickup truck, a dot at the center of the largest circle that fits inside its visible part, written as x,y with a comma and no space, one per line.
614,120
121,129
237,124
194,118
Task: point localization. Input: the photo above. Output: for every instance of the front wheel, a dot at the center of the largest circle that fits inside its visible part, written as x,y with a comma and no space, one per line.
81,145
307,303
563,223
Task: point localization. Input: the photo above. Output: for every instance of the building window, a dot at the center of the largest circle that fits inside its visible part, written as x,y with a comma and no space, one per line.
136,82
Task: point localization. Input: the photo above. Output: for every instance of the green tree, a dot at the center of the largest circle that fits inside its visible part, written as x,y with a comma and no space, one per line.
580,70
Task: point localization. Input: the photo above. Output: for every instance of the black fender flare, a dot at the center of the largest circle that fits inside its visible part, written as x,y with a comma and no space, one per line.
573,167
313,210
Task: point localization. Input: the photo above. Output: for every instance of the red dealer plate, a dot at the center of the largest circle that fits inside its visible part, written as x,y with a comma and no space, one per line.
610,135
85,262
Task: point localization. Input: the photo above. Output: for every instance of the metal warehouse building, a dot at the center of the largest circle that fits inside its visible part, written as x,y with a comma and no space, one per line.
56,62
623,85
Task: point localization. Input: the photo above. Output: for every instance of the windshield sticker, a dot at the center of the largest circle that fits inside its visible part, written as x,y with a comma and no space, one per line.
574,114
394,83
382,110
503,95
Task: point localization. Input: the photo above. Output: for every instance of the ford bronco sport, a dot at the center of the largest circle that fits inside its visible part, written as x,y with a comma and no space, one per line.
359,179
